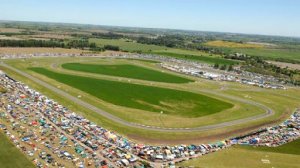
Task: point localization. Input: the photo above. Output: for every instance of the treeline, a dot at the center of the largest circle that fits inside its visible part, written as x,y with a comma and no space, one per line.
112,48
31,43
207,49
173,41
85,44
168,41
78,44
223,67
14,34
108,35
287,60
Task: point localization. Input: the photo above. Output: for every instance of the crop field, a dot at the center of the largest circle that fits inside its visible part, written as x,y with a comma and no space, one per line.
251,157
126,70
142,97
159,50
31,50
11,157
288,52
10,30
284,65
272,53
126,45
228,44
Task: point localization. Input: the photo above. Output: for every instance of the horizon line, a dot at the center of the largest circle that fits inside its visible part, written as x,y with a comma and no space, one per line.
191,30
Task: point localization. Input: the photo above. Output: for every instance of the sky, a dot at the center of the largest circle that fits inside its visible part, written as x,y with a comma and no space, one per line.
269,17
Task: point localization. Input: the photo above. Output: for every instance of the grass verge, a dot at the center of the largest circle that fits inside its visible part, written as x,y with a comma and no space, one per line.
10,156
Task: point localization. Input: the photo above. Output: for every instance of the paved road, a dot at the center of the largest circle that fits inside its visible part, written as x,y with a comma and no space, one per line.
116,119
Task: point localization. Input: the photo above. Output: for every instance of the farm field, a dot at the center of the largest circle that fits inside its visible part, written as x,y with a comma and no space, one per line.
11,157
284,52
160,50
286,156
10,30
272,53
284,65
126,70
126,45
147,98
228,44
31,50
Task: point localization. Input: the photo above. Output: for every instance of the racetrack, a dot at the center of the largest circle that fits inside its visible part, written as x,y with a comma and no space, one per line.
268,110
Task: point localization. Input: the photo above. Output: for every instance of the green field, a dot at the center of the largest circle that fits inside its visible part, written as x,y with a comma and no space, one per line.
126,70
284,52
228,44
10,156
126,45
272,53
206,59
289,148
285,156
165,51
142,97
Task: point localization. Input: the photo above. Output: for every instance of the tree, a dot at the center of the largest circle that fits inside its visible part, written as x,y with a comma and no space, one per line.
230,67
223,67
111,47
216,66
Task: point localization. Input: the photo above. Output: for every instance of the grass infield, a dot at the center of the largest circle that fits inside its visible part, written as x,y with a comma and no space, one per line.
149,98
128,71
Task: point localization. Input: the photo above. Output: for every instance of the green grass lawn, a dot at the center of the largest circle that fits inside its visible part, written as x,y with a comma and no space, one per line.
241,157
10,156
289,148
126,70
154,99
